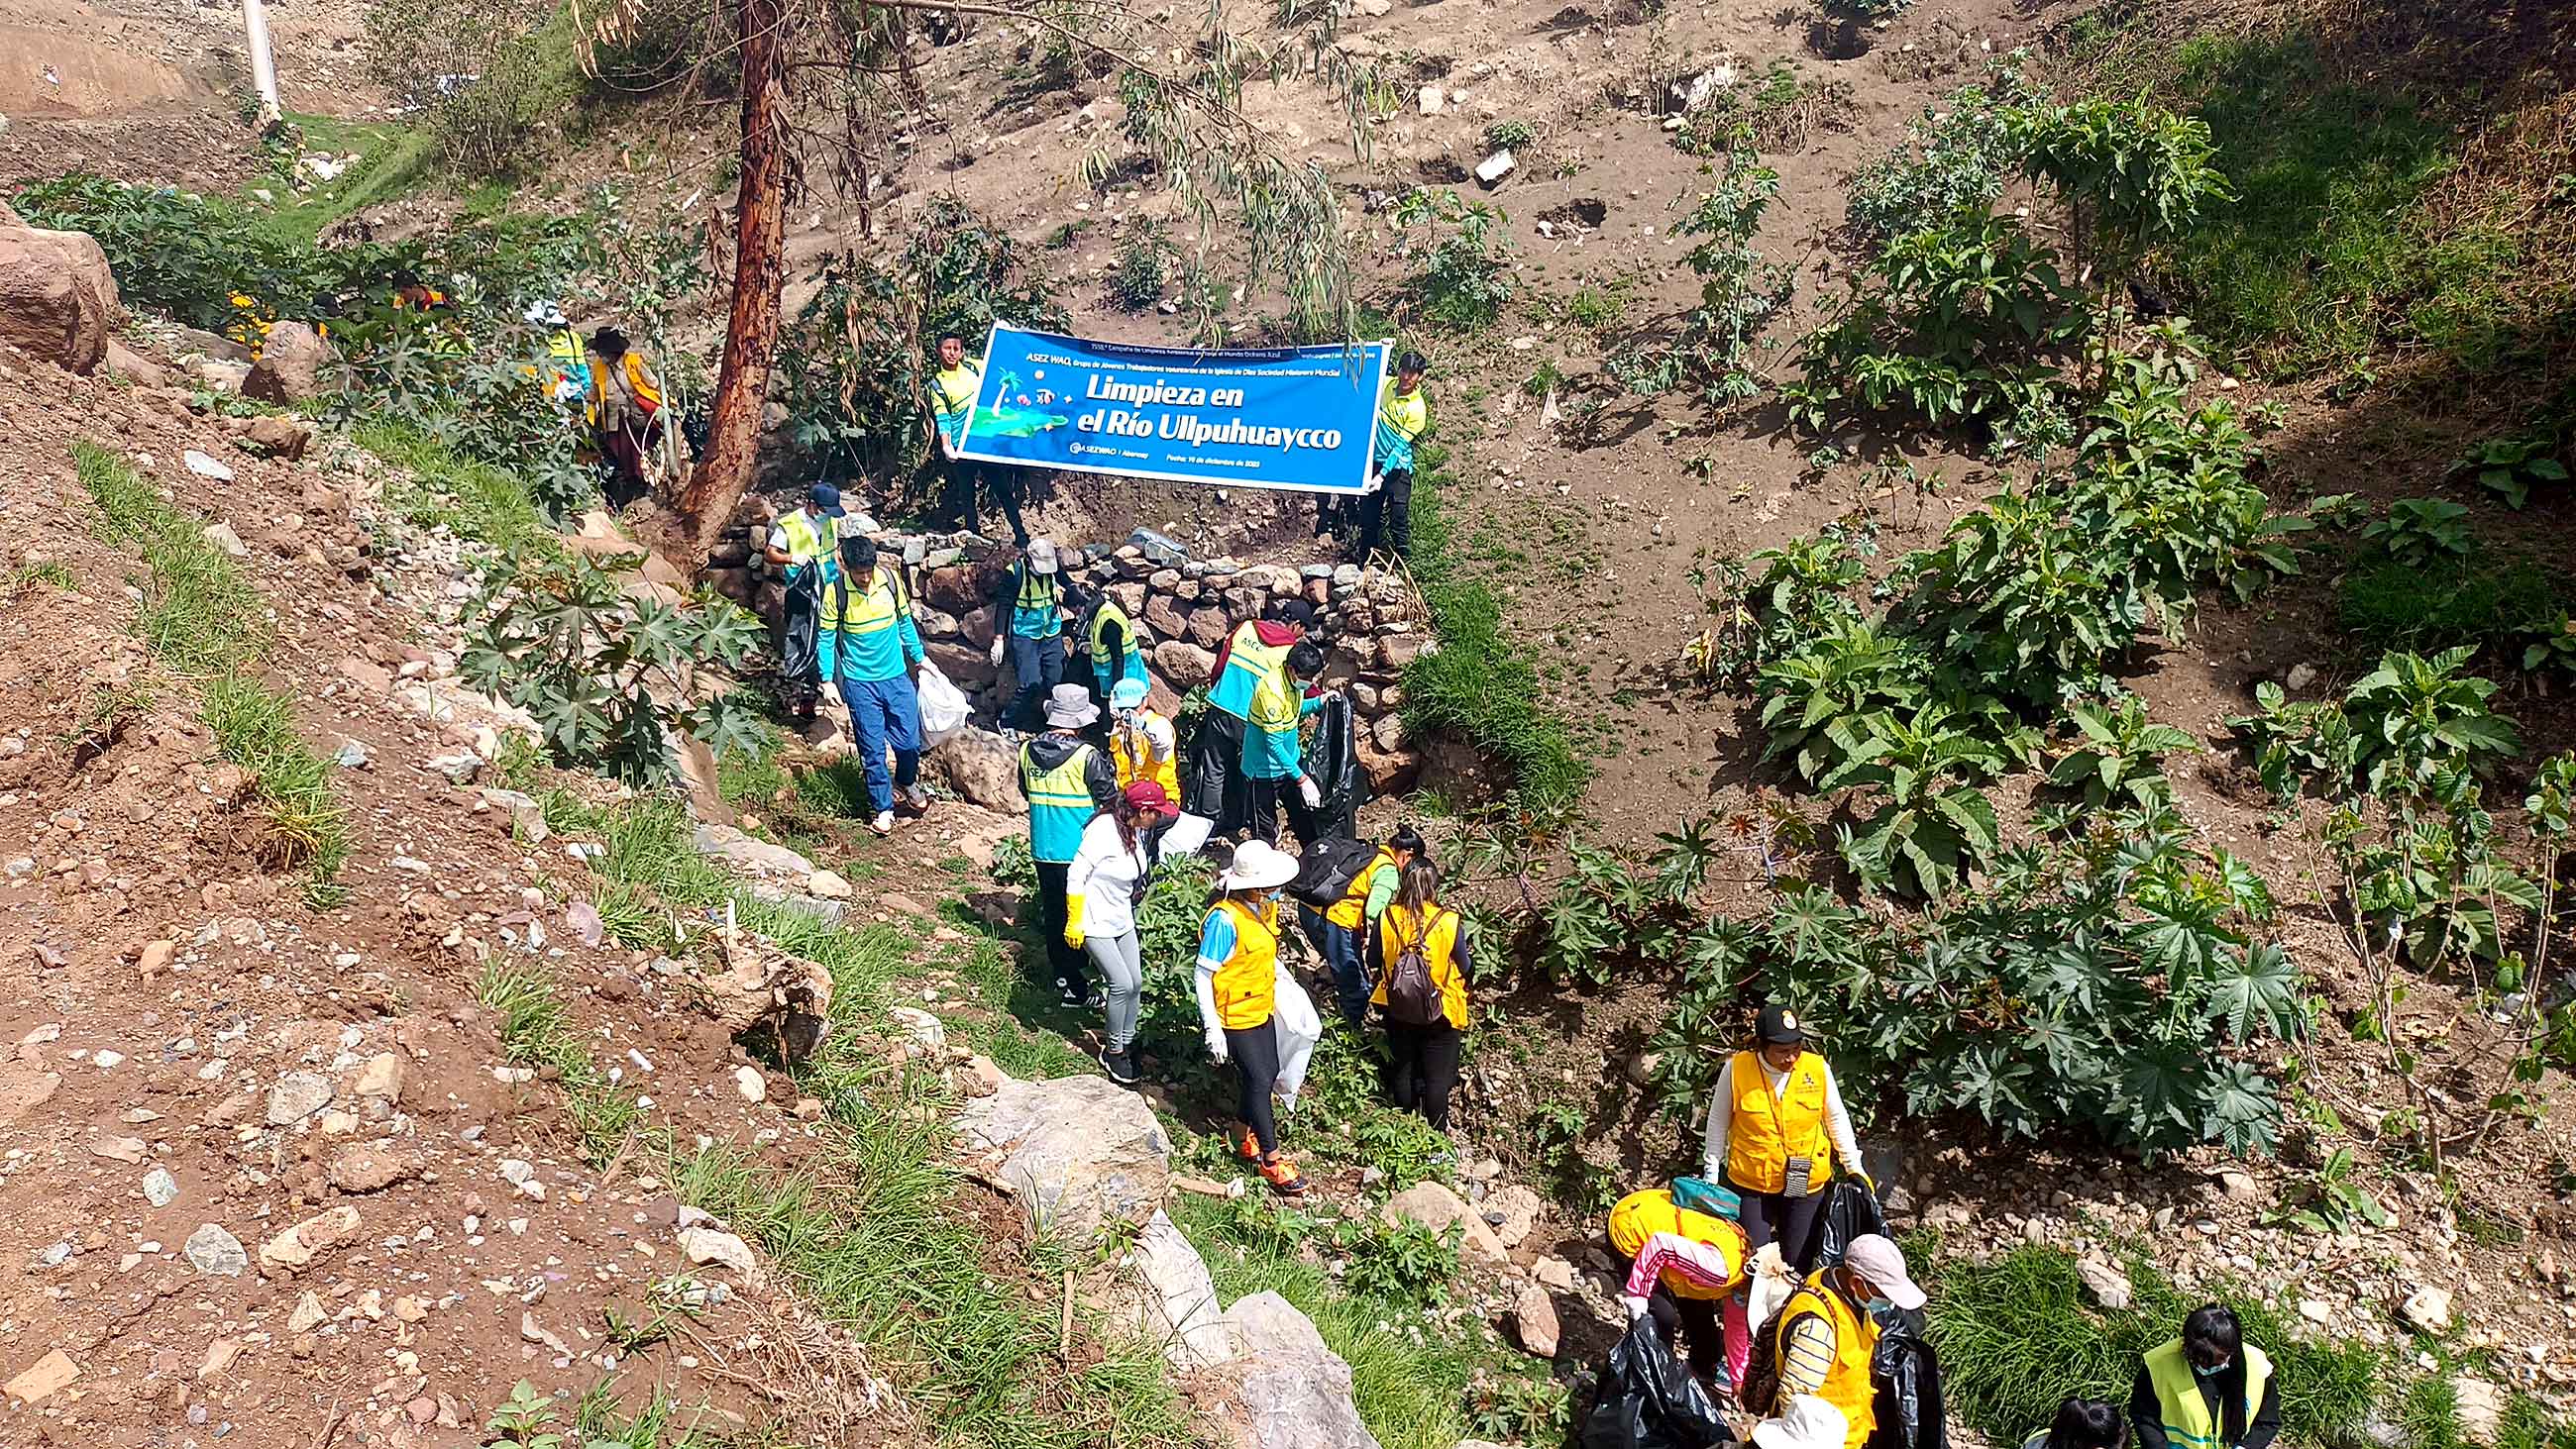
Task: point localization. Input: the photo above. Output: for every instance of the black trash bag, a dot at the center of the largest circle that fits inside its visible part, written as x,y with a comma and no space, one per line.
1851,1211
800,635
1905,1376
1649,1400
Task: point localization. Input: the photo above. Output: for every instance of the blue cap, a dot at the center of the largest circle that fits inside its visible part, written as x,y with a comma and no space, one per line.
828,498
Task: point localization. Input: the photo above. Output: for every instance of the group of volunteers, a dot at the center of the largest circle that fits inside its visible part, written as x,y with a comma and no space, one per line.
1771,1277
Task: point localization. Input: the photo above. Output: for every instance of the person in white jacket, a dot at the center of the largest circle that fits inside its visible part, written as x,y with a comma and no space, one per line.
1102,889
1774,1116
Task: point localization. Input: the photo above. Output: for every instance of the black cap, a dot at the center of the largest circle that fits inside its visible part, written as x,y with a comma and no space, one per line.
1780,1027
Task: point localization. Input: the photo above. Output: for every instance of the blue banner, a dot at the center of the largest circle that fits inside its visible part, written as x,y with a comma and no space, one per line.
1284,417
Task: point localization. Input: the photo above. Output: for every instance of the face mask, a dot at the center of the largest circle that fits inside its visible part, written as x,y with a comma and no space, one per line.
2210,1372
1879,1305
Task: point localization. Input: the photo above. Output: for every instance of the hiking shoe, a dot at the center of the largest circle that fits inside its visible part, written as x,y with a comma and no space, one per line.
919,799
1282,1176
1250,1146
1120,1066
1077,997
884,823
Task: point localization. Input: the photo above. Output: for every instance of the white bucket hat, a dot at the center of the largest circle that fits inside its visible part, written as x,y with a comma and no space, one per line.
1258,867
1808,1423
1069,707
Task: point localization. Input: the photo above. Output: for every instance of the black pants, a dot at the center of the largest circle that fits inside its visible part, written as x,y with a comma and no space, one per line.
1214,787
1424,1069
1255,1050
1264,799
1070,965
1388,514
998,479
1770,1217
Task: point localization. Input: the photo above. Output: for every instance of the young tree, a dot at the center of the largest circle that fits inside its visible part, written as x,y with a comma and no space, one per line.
1182,88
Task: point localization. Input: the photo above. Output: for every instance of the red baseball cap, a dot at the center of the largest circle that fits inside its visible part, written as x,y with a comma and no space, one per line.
1150,795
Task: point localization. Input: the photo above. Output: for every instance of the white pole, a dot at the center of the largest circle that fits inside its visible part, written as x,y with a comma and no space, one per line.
263,67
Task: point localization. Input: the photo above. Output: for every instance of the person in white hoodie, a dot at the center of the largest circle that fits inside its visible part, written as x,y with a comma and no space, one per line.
1103,887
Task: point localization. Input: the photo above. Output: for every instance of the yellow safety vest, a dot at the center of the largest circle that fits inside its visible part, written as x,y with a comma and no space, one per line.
1439,953
2188,1422
866,611
1407,413
1133,753
955,387
1847,1384
1641,1215
1246,986
648,393
1352,909
1764,1131
1107,614
809,537
1248,664
1037,590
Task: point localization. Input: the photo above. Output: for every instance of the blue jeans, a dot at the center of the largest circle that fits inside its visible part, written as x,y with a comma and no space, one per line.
1038,665
885,712
1350,974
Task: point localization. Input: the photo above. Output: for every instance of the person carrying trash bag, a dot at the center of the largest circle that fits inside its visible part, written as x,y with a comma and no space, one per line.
1805,1422
2206,1388
1650,1400
1824,1339
805,546
1777,1133
1237,985
1686,1268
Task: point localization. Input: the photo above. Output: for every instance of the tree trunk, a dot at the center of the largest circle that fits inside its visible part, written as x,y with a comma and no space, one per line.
706,502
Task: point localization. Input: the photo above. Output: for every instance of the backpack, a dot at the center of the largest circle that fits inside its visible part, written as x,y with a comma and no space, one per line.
1412,997
1760,1391
1326,870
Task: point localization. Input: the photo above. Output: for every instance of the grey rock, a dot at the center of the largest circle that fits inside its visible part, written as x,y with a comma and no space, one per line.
296,1096
1283,1389
159,1188
1079,1153
1167,1297
216,1253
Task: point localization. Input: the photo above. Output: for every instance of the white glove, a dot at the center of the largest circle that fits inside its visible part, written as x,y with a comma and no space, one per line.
1307,792
1216,1046
997,652
1636,1306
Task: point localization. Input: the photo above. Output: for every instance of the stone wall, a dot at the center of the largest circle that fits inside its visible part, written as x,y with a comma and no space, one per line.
1369,621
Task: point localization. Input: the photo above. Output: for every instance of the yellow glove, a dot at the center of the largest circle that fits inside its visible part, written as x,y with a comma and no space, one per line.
1073,922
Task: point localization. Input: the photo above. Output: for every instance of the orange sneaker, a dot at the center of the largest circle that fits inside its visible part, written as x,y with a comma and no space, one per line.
1282,1176
1250,1146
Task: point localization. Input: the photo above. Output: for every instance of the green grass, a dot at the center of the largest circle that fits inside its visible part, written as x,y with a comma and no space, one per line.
2486,600
877,1231
204,622
473,500
1412,1373
1481,683
2016,1336
199,615
392,160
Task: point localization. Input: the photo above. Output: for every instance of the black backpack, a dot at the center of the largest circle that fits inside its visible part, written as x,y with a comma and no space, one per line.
1326,870
1412,997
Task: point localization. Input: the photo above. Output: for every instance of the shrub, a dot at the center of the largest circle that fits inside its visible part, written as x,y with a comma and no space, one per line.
2508,467
2420,530
1955,159
2118,754
483,77
1463,285
1712,355
607,674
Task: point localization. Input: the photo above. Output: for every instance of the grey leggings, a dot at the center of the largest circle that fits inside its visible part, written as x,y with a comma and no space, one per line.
1124,970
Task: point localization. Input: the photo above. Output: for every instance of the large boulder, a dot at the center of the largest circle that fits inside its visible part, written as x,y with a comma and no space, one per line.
1437,1208
293,360
1184,665
965,665
57,296
1165,1296
1283,1389
981,767
1079,1153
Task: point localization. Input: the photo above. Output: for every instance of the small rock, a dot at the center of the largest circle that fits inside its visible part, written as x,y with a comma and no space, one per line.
2427,1309
118,1149
2300,677
159,1188
221,535
706,1245
370,1166
2109,1286
1554,1272
219,1357
1534,1319
382,1076
1494,168
296,1096
216,1253
299,1245
828,884
748,1081
2239,1185
308,1313
2479,1406
47,1376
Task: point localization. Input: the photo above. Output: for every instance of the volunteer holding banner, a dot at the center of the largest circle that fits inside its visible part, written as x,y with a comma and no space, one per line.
952,398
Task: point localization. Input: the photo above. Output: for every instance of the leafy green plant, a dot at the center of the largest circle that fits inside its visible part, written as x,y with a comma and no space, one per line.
1144,266
2508,467
2419,530
1402,1262
1934,825
2331,1203
2133,176
2119,754
1509,135
608,674
1712,353
1464,283
522,1421
1957,157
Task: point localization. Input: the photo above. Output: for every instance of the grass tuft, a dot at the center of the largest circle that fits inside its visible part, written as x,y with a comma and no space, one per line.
472,500
204,621
1480,684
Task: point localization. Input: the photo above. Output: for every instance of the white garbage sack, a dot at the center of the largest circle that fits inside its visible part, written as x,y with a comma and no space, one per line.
943,705
1293,1017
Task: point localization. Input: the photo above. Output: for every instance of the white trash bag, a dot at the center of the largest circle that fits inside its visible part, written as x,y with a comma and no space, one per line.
1293,1018
943,705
